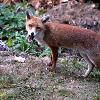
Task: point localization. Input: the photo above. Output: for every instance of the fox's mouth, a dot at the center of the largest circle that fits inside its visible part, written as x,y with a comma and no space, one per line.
30,38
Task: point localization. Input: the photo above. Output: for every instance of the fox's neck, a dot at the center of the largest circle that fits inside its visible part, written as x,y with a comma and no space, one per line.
39,38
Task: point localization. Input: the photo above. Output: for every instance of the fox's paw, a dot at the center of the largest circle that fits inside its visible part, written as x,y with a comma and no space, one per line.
55,70
82,76
49,64
85,76
51,69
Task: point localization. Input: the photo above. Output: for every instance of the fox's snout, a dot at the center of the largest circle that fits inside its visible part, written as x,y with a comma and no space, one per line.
32,34
30,37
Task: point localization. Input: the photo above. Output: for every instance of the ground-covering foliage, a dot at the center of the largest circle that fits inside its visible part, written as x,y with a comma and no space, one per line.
12,25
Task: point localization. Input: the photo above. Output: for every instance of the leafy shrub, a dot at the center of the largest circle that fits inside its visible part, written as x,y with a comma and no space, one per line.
12,25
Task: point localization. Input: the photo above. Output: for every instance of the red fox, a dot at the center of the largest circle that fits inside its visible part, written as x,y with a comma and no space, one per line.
57,35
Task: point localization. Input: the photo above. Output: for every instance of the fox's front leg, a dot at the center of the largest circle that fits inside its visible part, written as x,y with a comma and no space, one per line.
54,58
51,62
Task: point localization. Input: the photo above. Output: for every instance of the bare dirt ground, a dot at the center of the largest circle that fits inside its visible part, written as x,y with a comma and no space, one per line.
30,80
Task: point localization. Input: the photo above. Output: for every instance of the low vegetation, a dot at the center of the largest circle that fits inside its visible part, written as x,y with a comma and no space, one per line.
12,25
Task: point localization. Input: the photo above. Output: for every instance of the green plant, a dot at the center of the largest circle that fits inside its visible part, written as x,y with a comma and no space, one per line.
97,97
6,82
12,25
12,22
46,52
65,93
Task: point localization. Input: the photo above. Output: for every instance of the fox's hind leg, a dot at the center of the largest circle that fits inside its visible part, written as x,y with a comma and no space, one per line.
91,65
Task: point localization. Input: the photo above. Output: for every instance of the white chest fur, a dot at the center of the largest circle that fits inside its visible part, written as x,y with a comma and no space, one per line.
39,38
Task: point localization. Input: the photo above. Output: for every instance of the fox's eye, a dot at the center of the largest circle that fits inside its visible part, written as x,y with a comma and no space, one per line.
30,25
38,28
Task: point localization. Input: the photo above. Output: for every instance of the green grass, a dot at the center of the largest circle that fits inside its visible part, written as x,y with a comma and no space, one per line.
6,82
65,93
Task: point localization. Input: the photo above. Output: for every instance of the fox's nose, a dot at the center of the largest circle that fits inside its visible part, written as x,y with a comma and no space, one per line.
32,34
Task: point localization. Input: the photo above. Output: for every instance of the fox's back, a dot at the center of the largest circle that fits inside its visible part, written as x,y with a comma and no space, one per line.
70,36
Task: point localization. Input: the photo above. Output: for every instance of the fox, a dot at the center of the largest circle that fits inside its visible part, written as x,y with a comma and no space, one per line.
56,35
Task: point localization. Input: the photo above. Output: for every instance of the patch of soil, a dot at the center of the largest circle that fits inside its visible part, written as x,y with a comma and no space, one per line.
78,14
30,80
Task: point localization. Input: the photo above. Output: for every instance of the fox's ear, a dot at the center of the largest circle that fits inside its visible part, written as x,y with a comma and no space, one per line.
45,18
28,15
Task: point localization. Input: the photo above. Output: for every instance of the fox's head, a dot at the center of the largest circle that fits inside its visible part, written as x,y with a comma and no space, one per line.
35,26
